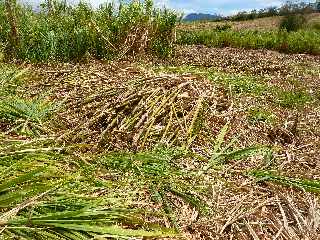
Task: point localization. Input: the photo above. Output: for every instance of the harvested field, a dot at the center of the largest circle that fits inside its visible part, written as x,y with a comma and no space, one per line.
264,77
230,132
265,24
264,63
260,24
108,130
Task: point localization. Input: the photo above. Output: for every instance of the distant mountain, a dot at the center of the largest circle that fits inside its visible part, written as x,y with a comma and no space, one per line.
201,16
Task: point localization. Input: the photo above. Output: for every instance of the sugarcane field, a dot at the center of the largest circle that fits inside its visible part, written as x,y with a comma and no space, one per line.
136,120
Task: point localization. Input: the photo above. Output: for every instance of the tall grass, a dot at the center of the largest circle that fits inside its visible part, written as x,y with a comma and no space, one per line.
303,41
73,32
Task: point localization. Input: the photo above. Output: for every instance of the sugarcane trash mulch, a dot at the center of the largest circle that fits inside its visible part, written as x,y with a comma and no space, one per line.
118,106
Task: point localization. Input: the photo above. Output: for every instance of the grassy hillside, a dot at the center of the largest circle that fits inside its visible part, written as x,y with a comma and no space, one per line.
264,33
261,24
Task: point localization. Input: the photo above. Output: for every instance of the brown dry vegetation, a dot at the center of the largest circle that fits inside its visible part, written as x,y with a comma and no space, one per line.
261,24
110,105
275,71
245,125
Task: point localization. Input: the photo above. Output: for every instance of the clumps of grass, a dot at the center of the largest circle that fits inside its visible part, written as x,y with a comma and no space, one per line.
295,98
64,33
240,84
25,171
292,99
256,115
19,115
249,85
302,41
26,117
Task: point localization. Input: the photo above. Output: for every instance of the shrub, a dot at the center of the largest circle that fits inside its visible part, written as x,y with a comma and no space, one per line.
223,27
290,7
315,26
292,22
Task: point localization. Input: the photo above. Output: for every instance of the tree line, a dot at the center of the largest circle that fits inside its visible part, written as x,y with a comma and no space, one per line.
289,8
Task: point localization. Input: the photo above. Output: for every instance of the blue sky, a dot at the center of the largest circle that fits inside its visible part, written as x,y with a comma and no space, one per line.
224,7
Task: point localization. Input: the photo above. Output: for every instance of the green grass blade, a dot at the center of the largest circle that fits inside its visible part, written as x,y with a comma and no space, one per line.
305,184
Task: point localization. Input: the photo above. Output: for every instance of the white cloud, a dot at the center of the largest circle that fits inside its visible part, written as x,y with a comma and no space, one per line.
162,3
